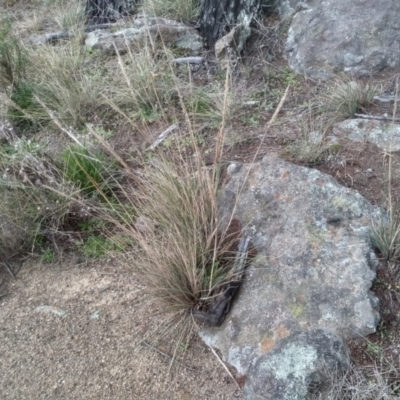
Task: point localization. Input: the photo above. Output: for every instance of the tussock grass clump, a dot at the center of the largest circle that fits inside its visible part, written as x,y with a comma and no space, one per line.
57,79
173,9
13,78
346,96
70,15
385,236
29,209
310,145
20,221
146,83
183,254
67,84
209,105
378,381
43,198
13,57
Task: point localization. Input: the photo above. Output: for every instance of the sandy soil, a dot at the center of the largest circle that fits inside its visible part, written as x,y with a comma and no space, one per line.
73,331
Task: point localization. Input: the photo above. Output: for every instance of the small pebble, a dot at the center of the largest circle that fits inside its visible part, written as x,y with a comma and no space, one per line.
103,288
95,315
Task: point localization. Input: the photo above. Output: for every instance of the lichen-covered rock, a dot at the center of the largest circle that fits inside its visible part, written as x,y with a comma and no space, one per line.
301,361
384,134
358,37
314,266
171,33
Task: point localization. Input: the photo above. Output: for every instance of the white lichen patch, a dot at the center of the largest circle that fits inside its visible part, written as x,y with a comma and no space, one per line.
294,361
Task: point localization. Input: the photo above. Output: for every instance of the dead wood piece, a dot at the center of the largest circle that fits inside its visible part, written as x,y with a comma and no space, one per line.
162,136
387,98
225,367
378,117
188,60
220,307
9,269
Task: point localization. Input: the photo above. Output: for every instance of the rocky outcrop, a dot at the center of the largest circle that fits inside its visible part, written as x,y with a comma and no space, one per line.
168,32
311,277
384,134
332,35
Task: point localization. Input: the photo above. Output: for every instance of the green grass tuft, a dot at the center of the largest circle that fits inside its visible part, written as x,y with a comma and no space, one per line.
89,171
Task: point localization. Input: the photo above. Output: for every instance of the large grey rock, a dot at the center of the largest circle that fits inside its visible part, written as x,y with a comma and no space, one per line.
314,267
384,134
358,37
171,33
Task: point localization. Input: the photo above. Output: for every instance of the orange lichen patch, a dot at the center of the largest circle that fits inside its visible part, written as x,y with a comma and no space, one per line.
253,177
288,199
282,331
285,174
267,344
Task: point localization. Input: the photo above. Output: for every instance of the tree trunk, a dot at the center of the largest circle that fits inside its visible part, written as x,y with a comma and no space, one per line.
101,11
218,17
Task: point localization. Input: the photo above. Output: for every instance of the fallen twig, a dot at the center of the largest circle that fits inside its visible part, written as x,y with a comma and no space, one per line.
387,98
162,136
219,308
9,269
188,60
169,357
378,117
225,367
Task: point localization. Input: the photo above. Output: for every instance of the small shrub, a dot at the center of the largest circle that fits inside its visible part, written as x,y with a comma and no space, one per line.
27,214
31,207
48,256
97,246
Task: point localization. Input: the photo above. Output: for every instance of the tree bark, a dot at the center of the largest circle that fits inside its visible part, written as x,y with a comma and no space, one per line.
218,17
102,11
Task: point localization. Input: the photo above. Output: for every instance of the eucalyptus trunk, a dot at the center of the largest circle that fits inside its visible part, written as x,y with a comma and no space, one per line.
101,11
218,17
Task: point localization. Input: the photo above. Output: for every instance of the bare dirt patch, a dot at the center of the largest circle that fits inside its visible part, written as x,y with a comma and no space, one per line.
89,341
